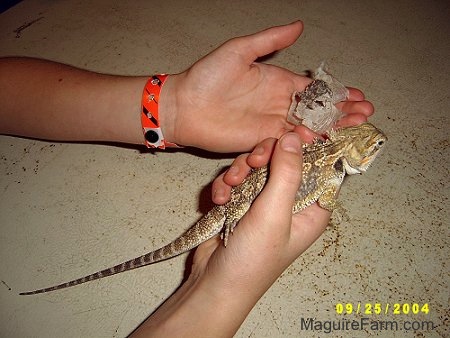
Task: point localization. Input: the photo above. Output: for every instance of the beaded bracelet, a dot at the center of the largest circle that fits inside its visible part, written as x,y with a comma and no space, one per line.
150,115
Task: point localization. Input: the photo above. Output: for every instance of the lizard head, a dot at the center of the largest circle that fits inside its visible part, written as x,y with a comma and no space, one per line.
361,145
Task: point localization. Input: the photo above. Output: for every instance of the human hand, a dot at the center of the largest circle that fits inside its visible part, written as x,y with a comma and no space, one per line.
228,102
268,238
303,228
225,283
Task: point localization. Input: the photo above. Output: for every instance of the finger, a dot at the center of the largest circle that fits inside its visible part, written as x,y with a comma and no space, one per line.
260,156
221,187
351,120
306,134
356,107
267,41
354,94
238,170
220,191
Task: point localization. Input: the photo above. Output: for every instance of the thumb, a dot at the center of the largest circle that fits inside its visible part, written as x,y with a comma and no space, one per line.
286,168
268,41
284,179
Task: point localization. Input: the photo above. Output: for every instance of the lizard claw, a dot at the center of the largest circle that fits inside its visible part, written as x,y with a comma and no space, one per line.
227,229
340,214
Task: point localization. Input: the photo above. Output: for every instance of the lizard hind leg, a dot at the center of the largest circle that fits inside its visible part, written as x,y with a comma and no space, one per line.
234,216
228,228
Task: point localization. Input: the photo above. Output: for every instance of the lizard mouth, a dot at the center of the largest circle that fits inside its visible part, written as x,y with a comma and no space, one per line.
352,170
359,168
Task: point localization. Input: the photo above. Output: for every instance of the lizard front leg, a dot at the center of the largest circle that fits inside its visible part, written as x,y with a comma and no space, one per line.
328,200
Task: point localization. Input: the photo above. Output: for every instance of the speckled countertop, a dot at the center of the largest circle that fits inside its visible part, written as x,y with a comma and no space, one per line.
70,209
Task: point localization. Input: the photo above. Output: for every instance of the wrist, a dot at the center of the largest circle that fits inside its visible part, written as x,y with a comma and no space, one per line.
192,312
189,312
151,120
168,109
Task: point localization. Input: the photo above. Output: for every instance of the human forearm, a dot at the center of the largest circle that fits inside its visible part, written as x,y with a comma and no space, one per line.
225,102
199,310
48,100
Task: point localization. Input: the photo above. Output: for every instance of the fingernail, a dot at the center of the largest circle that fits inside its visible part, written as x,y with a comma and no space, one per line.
219,194
258,151
233,170
290,142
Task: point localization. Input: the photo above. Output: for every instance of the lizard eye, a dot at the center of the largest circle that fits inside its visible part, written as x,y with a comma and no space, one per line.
380,143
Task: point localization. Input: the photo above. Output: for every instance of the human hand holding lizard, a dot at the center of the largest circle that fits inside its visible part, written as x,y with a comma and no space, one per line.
237,104
265,243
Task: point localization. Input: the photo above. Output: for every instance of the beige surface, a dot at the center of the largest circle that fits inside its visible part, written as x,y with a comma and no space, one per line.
70,209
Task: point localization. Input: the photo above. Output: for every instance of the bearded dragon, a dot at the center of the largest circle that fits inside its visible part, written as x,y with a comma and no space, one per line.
325,163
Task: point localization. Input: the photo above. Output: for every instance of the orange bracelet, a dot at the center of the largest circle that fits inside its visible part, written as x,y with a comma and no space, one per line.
150,115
